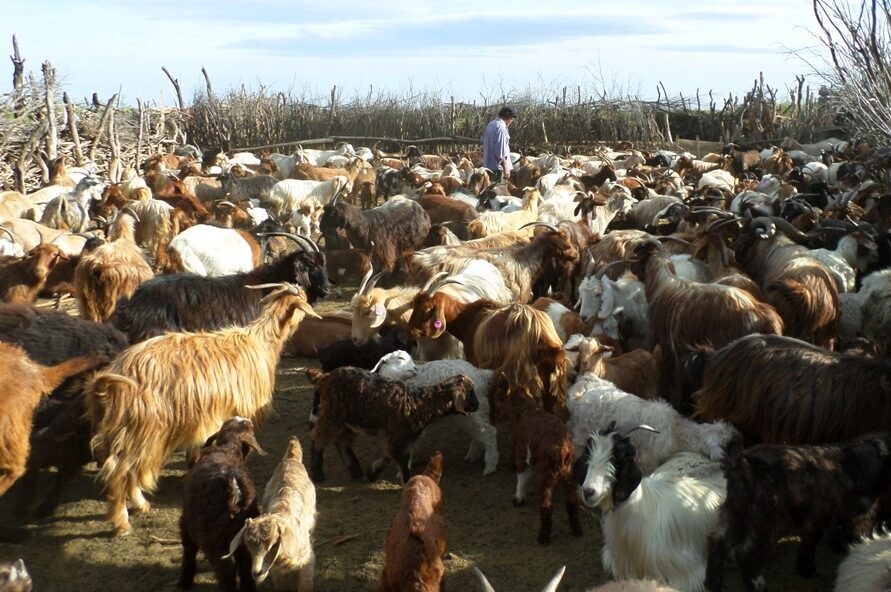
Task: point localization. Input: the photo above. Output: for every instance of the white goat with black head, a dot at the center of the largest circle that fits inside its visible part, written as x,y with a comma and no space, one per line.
655,526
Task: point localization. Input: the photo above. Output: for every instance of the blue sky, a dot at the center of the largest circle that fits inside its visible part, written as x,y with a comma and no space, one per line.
457,47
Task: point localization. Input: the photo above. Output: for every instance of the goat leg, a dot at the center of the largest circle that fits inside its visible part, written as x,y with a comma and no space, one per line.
807,550
376,467
572,507
545,509
317,454
245,577
64,476
714,570
352,460
189,563
224,571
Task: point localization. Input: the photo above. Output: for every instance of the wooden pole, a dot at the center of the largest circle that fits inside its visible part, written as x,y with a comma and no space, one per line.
175,83
140,133
52,131
18,78
72,129
25,156
100,129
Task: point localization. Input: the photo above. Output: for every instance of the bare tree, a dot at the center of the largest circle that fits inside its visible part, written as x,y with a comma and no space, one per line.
858,39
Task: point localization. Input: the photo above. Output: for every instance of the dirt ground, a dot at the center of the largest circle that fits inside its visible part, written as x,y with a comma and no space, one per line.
73,550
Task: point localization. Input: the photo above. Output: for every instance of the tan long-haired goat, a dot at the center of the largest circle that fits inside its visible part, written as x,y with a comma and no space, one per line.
112,271
173,392
279,541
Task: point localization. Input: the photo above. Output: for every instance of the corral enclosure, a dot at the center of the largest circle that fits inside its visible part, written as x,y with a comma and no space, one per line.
830,185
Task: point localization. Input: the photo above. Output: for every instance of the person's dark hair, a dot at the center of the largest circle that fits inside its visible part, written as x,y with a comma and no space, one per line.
506,112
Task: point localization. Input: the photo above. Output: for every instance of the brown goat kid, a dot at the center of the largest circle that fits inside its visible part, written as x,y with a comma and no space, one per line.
416,541
22,383
219,496
21,280
352,399
543,446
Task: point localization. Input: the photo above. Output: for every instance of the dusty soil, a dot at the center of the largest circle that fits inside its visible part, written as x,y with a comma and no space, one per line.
73,550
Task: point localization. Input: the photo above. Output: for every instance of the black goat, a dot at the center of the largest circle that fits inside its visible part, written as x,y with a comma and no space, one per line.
187,302
387,232
219,496
775,490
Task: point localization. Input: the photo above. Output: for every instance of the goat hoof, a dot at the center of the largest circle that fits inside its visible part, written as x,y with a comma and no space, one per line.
123,530
371,476
519,502
185,584
544,539
43,511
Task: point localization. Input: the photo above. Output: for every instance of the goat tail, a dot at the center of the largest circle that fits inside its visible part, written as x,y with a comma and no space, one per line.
807,307
558,384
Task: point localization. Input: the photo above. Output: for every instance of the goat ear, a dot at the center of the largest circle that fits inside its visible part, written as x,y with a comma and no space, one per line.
236,542
250,443
572,344
314,375
211,440
439,324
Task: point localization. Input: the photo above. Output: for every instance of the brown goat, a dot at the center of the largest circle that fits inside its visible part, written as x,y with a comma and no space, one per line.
781,390
314,335
219,496
109,273
21,280
636,372
543,446
416,541
22,383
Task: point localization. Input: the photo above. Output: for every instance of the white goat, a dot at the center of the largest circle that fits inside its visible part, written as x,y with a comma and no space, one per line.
211,251
594,403
610,301
719,178
867,568
655,526
853,254
398,365
289,195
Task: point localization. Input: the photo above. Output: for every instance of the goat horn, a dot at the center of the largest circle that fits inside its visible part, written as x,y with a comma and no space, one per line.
769,228
294,237
100,219
445,283
550,227
427,286
226,202
264,286
9,233
675,239
365,281
374,280
555,581
788,229
487,587
132,212
708,210
644,427
608,266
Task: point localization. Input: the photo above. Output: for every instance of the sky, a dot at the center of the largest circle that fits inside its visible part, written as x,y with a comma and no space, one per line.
461,48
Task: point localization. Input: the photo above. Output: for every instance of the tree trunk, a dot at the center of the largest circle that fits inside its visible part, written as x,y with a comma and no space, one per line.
18,78
52,131
72,128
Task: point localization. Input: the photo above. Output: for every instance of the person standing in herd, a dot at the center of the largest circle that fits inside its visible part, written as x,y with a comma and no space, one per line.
496,144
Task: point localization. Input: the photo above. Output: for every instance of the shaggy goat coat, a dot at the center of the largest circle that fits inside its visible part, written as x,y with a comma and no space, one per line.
173,391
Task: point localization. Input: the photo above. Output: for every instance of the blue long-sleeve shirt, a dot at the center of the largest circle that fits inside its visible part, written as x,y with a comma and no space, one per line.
496,145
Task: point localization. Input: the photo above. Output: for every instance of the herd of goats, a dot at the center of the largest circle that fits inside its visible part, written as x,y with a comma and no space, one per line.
696,348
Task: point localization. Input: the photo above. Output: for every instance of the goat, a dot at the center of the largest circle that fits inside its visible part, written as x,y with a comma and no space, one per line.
211,251
594,402
386,232
30,234
416,541
289,195
259,187
517,341
14,577
167,393
776,490
675,307
442,210
490,223
543,445
796,284
315,335
866,568
636,372
280,540
782,390
398,365
21,280
23,382
166,303
109,273
353,399
654,526
219,495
